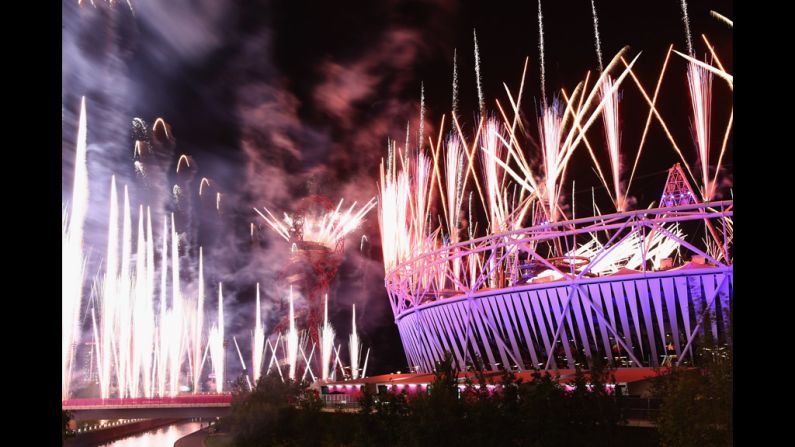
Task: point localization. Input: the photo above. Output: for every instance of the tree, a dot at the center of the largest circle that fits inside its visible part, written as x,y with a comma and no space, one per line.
696,408
67,416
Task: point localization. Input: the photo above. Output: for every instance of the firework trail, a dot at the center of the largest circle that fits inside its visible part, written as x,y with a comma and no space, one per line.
722,18
240,356
354,346
72,257
455,82
198,326
549,127
109,290
541,52
326,229
123,297
163,126
326,344
492,147
163,353
610,100
394,216
138,307
216,343
364,368
481,101
258,344
292,340
422,116
110,2
700,83
203,182
596,35
609,117
726,76
686,19
176,328
182,158
454,164
149,313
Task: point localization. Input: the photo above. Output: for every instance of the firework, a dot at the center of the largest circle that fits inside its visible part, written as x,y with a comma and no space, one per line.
326,229
72,256
292,340
326,343
216,343
257,345
198,326
481,102
700,82
355,347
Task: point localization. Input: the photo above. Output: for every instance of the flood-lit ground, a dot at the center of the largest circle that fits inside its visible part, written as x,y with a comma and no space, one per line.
159,437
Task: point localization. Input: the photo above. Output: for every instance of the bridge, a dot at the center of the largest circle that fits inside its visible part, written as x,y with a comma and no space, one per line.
182,406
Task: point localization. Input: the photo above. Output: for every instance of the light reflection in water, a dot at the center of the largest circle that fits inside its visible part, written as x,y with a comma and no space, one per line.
159,437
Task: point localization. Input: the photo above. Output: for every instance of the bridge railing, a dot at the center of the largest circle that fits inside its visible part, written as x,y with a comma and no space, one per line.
149,401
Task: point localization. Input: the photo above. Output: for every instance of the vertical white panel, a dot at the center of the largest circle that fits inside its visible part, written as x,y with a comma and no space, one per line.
656,297
618,294
483,337
670,304
709,288
575,305
492,324
557,309
522,317
642,287
596,300
682,293
609,303
629,288
460,312
535,303
509,329
562,294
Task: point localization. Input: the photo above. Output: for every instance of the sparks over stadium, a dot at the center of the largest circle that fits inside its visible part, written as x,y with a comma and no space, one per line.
486,256
484,262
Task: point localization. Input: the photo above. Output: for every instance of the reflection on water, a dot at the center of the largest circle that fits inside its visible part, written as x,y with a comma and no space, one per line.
159,437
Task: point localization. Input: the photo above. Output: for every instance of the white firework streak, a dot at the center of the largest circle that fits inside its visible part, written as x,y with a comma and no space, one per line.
481,101
148,364
198,326
686,19
609,97
700,83
354,347
327,229
455,82
596,35
176,336
216,343
492,147
239,354
162,365
454,164
292,340
326,343
109,293
549,127
422,115
541,52
72,257
258,345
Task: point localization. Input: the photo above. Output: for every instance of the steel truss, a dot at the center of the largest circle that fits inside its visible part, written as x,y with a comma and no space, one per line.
630,320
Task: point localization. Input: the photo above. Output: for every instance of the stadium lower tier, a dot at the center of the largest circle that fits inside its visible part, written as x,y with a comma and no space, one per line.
644,319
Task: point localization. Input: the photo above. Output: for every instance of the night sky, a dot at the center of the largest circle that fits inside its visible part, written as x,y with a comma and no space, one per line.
277,100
